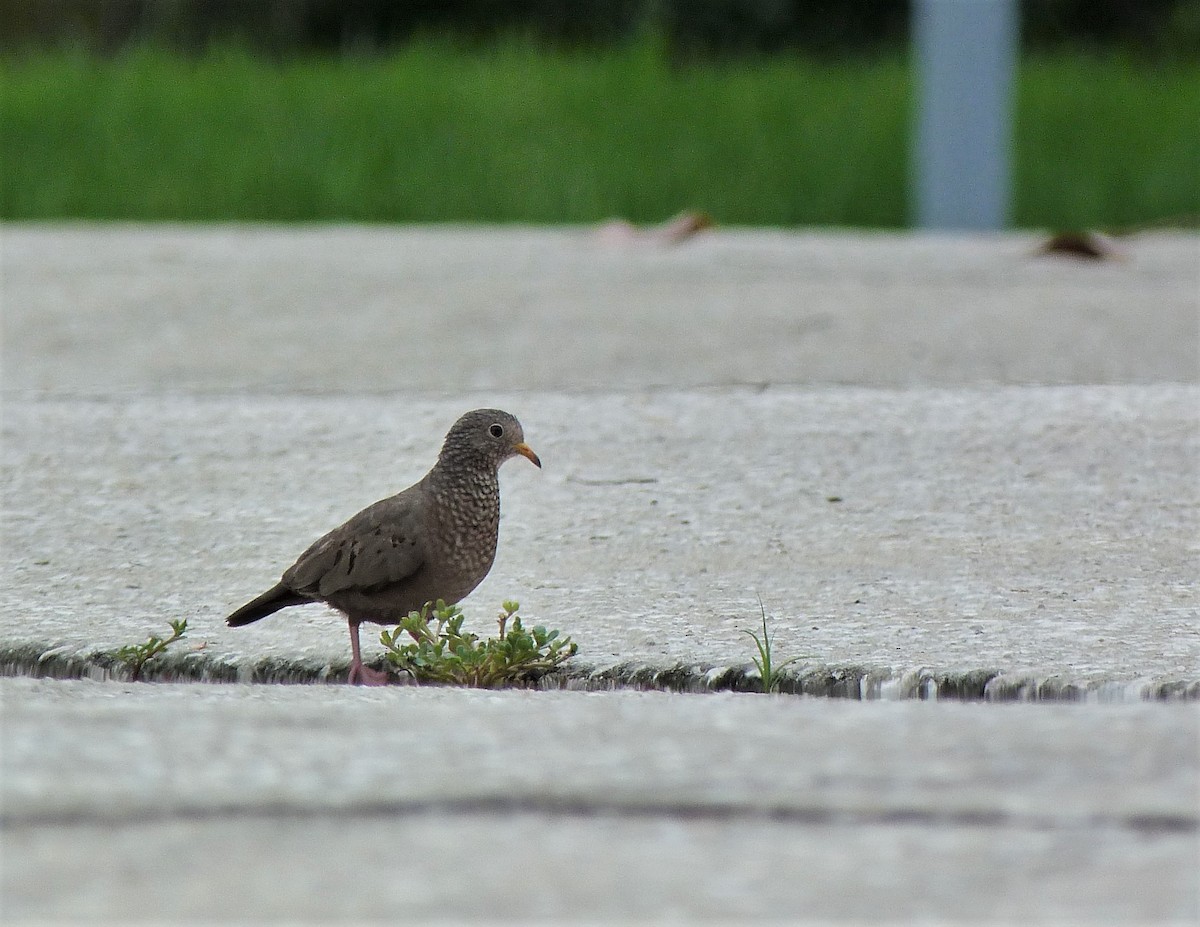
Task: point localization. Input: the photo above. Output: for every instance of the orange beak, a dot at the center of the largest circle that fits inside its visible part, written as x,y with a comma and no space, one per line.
527,452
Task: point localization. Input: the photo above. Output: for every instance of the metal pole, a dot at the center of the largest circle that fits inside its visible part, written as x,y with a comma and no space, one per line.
966,60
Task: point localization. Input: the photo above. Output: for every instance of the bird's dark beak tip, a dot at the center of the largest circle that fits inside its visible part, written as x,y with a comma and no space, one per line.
527,452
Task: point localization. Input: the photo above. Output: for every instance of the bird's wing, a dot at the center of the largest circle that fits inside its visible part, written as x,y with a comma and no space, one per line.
380,546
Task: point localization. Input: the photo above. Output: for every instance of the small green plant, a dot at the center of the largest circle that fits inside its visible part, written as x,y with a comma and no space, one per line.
440,651
136,656
768,670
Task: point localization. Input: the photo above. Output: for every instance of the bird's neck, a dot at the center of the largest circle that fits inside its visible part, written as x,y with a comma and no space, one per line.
477,487
466,507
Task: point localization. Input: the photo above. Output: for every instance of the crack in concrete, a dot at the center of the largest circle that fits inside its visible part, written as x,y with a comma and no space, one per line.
577,806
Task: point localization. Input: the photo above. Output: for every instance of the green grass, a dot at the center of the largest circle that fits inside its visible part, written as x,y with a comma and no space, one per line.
513,133
766,664
1106,143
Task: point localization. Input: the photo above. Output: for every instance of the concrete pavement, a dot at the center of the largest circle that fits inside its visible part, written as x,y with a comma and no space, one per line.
1014,543
416,309
240,803
948,467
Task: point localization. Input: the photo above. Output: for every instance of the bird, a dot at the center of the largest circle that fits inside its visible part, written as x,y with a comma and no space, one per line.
435,540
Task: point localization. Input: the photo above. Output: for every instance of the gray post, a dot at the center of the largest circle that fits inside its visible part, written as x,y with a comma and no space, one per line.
965,53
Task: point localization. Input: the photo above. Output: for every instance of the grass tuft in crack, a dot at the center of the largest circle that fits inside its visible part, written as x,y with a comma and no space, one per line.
136,656
768,670
438,650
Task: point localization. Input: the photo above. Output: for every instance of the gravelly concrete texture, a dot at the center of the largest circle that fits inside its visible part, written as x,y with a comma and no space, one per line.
1047,535
380,308
419,803
1019,486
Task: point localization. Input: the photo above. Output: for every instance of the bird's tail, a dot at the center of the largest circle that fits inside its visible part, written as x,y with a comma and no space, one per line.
271,601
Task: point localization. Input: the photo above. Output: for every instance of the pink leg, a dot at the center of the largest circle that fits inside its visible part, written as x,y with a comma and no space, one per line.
362,675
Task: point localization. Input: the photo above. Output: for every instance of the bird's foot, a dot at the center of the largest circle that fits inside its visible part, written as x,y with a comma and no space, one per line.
365,676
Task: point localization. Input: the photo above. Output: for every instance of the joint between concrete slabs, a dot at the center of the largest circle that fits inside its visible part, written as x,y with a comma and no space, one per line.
820,681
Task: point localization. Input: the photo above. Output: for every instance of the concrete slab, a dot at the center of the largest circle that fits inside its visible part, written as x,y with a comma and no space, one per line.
1044,536
623,806
186,407
112,307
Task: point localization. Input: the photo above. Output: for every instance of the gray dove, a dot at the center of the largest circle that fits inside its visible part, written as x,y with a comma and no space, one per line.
435,540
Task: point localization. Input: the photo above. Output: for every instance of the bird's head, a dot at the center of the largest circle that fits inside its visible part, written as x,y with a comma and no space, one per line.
487,435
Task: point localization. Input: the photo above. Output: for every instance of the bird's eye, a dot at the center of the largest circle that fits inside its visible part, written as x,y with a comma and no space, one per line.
496,431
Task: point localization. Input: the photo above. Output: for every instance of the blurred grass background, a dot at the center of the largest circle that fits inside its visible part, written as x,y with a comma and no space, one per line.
521,129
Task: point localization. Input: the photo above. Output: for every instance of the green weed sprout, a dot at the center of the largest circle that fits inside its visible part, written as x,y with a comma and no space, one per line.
768,671
136,656
440,651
